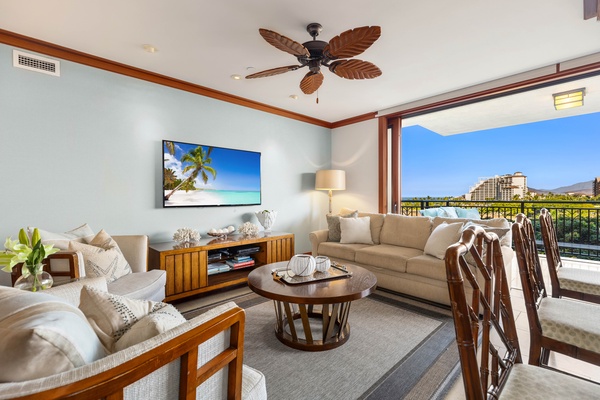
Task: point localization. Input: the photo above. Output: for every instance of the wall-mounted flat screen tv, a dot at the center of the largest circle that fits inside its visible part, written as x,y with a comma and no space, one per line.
197,175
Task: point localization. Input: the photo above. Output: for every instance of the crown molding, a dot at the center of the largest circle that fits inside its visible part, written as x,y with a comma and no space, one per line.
64,53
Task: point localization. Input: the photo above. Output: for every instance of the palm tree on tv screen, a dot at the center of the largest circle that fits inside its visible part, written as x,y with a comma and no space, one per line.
199,163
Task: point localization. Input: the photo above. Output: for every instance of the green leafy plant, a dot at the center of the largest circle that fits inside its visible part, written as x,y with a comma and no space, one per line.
29,252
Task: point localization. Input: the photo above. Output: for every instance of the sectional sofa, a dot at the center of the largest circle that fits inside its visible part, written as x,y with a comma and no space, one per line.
404,252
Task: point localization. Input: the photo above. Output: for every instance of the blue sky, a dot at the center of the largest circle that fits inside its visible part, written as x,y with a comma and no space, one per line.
236,169
551,154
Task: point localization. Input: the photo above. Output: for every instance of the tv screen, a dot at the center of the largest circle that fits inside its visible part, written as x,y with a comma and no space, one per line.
203,176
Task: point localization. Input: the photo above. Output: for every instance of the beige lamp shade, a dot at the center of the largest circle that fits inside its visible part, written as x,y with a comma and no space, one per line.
330,179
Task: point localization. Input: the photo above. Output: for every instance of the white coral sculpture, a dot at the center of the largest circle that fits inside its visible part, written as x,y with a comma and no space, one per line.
248,229
183,235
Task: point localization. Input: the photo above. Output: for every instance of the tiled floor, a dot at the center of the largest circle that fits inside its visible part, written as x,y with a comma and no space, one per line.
558,361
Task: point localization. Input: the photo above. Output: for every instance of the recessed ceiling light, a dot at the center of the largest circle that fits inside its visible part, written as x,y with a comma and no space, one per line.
294,96
249,68
149,48
236,77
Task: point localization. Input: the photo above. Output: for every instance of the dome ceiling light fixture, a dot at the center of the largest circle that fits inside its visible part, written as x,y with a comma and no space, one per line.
316,53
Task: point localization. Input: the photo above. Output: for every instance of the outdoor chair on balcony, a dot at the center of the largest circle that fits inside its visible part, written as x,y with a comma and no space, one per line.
580,284
488,374
562,325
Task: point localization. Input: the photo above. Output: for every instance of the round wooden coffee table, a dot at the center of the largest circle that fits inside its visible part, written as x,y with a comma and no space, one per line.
312,316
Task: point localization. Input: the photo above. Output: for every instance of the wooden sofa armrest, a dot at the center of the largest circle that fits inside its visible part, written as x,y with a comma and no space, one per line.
68,268
110,384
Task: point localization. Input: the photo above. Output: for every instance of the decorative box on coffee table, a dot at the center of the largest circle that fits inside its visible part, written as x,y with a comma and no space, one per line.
210,264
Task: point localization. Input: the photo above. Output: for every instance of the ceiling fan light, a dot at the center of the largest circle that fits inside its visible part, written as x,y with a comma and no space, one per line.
568,99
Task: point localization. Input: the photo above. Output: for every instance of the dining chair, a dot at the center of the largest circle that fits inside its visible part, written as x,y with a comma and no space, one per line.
576,283
562,325
486,333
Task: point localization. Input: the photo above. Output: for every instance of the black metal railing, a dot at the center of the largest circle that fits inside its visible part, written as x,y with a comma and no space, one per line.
577,223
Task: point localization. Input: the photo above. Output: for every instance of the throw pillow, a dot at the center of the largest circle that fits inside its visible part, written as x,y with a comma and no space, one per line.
441,238
42,335
471,213
356,230
71,292
500,231
155,323
61,240
102,257
333,224
111,315
429,212
448,212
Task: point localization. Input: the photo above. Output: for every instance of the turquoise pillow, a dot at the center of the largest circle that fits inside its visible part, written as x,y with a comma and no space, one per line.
447,212
429,212
471,213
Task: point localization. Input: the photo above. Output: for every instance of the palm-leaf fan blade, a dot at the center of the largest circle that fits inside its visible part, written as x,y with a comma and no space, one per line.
355,69
352,42
284,43
311,82
273,71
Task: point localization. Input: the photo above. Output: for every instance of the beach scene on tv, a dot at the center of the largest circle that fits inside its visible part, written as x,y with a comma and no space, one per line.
195,175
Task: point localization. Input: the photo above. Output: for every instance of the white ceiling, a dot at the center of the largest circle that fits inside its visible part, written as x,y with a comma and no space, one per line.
426,48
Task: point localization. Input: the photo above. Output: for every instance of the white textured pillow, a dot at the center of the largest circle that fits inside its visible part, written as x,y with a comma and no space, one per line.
61,240
102,257
42,335
111,316
71,292
442,236
155,323
356,230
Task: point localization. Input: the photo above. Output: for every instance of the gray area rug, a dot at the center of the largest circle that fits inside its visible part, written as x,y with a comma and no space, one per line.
398,349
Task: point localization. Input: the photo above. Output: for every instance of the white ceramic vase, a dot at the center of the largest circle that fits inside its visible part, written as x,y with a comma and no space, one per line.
302,264
266,219
323,263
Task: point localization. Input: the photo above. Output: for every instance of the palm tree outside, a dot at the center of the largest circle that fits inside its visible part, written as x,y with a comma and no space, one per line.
199,163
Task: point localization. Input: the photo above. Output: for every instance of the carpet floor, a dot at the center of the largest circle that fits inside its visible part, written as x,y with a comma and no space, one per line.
398,349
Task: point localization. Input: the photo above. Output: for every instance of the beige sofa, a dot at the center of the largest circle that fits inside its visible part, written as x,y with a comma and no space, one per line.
397,256
50,351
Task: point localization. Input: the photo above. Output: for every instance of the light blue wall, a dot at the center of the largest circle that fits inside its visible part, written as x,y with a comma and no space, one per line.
86,147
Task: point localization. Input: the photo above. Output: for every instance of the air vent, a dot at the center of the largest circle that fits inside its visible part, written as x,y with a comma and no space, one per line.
36,63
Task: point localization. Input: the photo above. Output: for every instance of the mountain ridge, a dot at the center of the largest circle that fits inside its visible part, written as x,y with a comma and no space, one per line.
579,188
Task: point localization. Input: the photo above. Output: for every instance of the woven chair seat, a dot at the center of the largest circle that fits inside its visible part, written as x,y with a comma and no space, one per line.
530,382
571,322
580,280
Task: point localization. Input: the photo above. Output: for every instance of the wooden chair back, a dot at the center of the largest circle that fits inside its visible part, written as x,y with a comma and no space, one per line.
552,251
487,311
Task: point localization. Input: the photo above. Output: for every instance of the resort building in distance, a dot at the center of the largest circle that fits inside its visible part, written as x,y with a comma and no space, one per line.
504,187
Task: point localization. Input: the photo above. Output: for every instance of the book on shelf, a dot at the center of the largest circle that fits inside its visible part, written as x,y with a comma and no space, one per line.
242,264
239,259
215,268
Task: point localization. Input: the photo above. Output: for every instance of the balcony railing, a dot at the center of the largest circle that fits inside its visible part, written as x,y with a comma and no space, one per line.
577,223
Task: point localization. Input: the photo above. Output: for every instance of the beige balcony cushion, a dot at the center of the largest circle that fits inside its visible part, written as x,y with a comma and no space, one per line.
400,230
580,280
340,251
387,256
571,322
531,382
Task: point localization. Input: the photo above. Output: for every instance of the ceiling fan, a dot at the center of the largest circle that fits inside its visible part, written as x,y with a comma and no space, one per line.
316,53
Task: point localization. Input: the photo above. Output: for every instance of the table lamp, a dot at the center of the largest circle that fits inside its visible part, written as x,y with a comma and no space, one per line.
330,179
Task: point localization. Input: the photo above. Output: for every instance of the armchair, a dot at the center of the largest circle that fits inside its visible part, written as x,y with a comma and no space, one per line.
140,284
